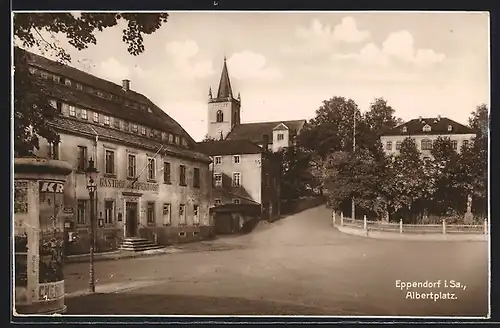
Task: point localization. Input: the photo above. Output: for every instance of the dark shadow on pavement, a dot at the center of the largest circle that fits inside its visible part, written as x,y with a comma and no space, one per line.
146,304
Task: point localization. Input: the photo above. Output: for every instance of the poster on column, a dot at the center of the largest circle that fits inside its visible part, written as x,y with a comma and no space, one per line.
21,240
51,242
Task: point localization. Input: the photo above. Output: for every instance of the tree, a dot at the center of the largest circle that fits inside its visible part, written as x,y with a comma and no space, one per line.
409,182
380,117
208,139
296,179
332,128
448,192
480,120
31,101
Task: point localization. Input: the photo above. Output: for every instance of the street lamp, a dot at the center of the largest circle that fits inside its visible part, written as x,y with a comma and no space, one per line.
91,174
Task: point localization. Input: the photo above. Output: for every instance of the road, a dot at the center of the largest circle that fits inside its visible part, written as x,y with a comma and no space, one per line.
298,265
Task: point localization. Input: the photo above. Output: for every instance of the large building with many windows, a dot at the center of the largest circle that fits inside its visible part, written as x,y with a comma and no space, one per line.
152,182
425,131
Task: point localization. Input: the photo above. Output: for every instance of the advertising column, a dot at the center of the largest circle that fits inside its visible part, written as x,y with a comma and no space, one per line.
39,235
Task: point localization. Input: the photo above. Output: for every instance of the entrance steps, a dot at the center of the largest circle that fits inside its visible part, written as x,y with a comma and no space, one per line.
138,244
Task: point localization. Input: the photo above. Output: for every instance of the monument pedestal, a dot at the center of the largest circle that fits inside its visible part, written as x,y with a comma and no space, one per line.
39,235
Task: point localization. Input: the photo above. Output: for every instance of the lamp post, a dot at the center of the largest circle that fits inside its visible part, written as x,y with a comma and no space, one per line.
91,174
353,203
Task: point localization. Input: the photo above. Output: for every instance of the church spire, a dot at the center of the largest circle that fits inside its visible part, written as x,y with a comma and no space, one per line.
225,90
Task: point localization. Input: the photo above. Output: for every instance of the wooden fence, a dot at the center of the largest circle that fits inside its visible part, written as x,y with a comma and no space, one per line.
401,228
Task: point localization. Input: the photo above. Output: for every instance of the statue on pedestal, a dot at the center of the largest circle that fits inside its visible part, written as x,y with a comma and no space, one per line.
469,218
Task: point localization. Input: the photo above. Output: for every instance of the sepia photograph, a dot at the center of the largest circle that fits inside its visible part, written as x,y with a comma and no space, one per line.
249,164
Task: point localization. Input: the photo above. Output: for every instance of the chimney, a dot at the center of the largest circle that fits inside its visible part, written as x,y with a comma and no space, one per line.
126,85
420,118
439,118
265,142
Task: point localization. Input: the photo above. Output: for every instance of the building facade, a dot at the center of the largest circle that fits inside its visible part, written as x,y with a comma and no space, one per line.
244,173
152,182
425,131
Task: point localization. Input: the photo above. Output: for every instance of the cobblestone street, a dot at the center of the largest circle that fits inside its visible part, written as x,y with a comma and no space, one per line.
298,265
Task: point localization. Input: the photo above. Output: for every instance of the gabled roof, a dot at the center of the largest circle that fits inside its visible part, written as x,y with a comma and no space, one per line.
156,119
438,125
223,193
225,90
228,147
255,131
280,126
72,125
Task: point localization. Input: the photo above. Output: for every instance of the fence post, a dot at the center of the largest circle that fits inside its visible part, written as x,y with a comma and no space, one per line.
444,226
341,219
364,223
485,226
333,217
401,226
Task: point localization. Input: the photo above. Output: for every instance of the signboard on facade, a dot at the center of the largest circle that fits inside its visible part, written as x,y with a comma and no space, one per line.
122,184
51,187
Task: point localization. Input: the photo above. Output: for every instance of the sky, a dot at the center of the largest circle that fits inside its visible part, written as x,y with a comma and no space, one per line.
285,65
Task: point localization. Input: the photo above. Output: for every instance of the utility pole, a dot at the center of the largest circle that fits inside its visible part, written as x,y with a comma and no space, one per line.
353,203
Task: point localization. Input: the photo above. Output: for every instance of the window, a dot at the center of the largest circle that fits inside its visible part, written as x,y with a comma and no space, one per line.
426,144
126,126
217,201
81,212
176,140
149,110
388,145
450,128
134,128
64,108
56,78
182,175
53,103
426,128
196,214
106,120
99,93
218,179
151,212
398,145
167,218
236,159
143,130
220,116
196,177
131,166
454,144
151,169
72,111
170,138
405,129
96,117
82,158
109,206
116,122
67,82
109,161
53,150
236,179
236,201
465,143
84,114
32,70
182,214
59,106
45,75
281,136
166,173
79,86
218,160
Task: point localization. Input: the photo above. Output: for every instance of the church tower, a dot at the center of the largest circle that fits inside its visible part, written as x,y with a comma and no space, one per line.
224,109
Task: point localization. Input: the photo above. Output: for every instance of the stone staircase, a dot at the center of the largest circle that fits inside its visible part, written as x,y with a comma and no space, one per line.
138,244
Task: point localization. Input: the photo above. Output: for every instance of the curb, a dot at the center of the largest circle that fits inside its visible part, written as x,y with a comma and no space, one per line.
117,255
385,235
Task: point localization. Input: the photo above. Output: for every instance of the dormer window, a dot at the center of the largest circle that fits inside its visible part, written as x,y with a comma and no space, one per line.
405,129
149,110
143,130
56,78
426,128
450,128
79,86
67,82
